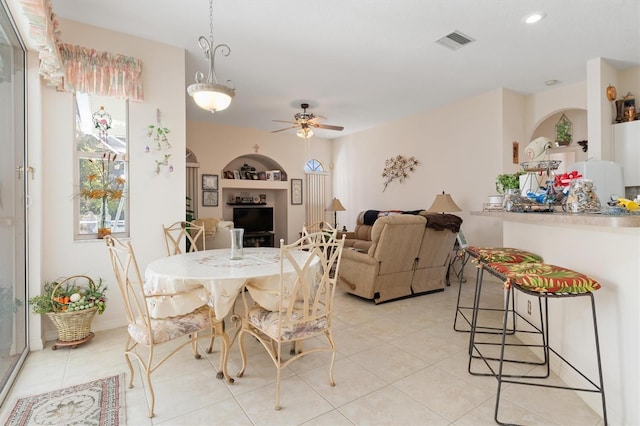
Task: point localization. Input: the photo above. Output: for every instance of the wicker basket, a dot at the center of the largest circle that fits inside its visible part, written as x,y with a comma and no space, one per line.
72,326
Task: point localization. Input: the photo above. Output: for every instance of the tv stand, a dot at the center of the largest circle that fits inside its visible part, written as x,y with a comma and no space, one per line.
258,239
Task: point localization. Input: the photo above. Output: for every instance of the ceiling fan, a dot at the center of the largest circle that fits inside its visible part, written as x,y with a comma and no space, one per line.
306,121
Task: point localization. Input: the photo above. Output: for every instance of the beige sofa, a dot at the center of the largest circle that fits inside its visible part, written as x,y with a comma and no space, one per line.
399,255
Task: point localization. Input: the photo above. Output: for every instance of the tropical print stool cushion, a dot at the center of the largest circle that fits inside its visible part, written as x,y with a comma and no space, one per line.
502,254
545,278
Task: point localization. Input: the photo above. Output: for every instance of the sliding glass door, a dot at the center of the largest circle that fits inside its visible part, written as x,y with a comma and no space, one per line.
13,171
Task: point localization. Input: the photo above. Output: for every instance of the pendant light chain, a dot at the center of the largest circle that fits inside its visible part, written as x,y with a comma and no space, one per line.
211,20
209,94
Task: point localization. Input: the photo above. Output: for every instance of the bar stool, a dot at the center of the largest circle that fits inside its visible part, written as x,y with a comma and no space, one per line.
546,282
483,256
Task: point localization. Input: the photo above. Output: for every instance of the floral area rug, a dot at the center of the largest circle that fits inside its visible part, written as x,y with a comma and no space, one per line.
100,402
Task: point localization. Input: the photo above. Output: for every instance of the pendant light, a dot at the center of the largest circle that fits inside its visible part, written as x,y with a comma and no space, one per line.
210,95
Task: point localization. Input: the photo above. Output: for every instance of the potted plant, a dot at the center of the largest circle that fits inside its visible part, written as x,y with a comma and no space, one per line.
509,185
71,303
507,181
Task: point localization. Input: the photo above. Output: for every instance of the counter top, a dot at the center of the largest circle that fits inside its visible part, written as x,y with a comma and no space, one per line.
593,219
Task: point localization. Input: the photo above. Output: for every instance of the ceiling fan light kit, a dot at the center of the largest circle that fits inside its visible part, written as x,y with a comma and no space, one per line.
211,95
305,133
306,121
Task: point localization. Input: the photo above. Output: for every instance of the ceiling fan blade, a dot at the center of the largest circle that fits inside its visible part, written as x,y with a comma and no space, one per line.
282,130
284,121
317,118
328,126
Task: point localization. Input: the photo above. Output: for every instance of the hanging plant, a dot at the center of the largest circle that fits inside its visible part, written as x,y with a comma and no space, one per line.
398,168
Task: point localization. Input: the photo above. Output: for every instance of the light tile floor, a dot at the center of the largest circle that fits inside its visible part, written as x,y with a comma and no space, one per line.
398,363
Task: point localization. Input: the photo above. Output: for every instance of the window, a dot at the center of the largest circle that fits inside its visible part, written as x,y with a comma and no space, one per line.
313,166
101,141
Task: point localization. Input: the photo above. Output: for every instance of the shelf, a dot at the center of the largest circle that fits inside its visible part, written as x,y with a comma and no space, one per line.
246,204
253,184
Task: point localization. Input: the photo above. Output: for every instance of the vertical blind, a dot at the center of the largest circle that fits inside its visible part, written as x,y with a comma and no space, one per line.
316,198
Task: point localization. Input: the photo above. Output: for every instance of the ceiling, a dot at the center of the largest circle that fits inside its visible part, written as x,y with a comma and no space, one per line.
360,63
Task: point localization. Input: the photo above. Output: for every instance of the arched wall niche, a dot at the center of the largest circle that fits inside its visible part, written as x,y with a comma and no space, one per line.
274,194
259,161
567,154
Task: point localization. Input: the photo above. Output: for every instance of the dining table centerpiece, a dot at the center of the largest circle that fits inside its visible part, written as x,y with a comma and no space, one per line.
104,183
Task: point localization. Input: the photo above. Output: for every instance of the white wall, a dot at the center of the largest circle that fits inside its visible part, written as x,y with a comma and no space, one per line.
216,145
154,199
458,147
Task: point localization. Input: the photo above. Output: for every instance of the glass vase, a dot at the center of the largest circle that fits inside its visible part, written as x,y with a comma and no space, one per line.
511,197
237,240
104,220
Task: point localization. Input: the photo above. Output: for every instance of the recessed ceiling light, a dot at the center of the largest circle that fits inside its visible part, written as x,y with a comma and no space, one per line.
532,18
551,82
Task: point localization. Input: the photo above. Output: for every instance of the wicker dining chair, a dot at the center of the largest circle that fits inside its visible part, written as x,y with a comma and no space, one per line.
145,331
183,234
304,304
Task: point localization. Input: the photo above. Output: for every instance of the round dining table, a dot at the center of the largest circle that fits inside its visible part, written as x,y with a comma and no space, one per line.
184,282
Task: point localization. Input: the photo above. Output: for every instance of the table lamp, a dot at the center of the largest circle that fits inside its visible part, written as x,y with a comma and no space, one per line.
444,204
335,207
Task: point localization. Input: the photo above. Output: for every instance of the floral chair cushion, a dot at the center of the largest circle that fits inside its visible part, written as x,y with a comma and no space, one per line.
502,254
267,322
165,329
545,278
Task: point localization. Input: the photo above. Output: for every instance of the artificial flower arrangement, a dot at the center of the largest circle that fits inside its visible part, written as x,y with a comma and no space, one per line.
68,295
103,183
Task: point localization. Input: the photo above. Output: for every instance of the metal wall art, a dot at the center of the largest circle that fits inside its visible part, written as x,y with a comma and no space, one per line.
398,167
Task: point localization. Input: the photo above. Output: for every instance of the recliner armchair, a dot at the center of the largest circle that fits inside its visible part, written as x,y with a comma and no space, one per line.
385,271
405,255
435,250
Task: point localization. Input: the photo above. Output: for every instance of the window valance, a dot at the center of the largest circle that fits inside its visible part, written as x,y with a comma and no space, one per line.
76,68
45,33
101,73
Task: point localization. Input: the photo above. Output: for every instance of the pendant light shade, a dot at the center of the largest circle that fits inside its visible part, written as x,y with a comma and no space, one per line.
212,97
209,94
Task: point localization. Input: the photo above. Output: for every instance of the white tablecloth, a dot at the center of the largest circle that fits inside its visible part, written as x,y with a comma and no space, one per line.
211,277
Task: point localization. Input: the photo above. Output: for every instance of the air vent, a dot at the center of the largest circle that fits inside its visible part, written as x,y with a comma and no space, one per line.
455,40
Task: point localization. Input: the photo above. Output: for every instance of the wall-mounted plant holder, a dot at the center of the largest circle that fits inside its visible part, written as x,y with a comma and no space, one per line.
564,131
160,143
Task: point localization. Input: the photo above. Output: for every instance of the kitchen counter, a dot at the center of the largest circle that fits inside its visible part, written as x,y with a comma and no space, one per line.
608,249
593,219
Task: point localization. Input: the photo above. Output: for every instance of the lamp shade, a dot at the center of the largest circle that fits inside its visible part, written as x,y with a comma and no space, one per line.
212,97
444,203
336,206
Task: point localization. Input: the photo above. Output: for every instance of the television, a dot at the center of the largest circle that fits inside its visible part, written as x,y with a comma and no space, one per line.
253,219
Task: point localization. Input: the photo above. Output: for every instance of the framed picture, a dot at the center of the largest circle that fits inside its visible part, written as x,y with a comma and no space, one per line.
210,182
262,175
236,174
296,191
210,198
283,176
